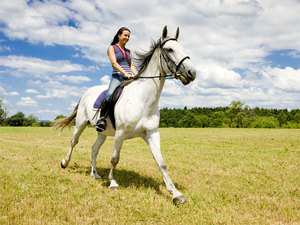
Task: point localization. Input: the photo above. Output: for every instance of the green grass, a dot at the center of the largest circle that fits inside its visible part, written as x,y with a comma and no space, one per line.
228,176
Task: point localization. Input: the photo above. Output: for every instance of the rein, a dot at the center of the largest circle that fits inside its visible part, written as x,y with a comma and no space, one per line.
167,59
168,76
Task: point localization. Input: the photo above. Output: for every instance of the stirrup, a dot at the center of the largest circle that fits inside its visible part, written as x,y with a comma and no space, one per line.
101,124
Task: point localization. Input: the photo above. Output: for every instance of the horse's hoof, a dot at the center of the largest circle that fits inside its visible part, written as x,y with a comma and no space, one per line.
63,164
95,175
114,188
179,200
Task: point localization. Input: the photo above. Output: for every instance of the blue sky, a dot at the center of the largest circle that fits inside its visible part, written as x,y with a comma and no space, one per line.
52,51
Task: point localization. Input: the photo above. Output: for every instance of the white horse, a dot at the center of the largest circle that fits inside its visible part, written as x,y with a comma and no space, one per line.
136,112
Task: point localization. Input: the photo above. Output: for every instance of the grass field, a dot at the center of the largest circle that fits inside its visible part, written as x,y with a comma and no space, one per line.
228,176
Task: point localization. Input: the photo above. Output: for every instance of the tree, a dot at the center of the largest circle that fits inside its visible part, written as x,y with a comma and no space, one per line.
297,117
236,112
59,117
62,116
218,119
16,120
204,120
30,120
189,120
3,112
170,117
282,117
265,122
45,124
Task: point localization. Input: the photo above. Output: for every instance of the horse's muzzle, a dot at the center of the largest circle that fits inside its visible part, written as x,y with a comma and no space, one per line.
187,77
191,75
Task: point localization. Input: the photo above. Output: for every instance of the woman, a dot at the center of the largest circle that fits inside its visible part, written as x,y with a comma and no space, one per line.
123,69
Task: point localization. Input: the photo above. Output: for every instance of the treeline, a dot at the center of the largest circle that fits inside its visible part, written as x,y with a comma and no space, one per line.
19,119
236,115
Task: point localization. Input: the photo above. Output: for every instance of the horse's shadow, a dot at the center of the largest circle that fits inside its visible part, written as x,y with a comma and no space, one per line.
125,178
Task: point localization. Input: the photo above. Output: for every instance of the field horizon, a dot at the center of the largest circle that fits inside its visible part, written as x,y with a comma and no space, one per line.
227,175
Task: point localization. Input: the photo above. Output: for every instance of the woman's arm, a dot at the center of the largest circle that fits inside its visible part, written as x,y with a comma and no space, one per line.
115,64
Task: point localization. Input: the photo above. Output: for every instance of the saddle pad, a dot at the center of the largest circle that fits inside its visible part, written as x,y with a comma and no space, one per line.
116,95
100,99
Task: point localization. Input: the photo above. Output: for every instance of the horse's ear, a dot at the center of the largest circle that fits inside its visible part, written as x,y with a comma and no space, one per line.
164,33
177,33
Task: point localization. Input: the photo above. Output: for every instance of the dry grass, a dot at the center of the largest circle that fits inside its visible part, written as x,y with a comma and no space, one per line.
228,176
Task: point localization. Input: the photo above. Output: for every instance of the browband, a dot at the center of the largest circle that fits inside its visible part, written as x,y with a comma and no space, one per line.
169,39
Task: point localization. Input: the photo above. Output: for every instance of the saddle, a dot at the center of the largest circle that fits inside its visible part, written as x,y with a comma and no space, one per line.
111,111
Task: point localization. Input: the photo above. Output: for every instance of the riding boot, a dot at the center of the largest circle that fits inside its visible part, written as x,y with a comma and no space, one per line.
102,122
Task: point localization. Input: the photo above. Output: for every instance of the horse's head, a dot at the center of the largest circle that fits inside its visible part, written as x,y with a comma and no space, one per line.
174,60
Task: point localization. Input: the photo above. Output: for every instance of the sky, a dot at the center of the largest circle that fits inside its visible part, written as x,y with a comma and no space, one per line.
52,51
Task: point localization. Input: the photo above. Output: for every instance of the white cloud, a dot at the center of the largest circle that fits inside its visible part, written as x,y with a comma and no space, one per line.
216,8
213,75
31,91
4,92
36,66
27,101
105,80
4,48
52,112
232,32
287,79
55,89
47,111
13,93
295,54
172,88
217,86
73,79
72,105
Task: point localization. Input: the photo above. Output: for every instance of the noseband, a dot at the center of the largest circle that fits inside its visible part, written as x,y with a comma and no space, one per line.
173,68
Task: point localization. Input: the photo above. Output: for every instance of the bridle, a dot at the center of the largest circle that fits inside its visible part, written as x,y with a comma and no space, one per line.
172,67
165,55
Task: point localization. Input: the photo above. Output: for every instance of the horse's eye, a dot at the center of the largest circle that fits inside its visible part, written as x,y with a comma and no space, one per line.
169,50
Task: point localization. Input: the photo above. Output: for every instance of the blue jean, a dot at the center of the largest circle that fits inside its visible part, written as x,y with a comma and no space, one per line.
116,80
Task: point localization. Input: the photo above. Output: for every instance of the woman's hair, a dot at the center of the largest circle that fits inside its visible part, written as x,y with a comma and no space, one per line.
116,38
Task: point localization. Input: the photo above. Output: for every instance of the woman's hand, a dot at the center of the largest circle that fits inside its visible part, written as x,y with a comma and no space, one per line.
129,75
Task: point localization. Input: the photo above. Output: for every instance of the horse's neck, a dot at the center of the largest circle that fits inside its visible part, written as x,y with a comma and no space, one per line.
150,89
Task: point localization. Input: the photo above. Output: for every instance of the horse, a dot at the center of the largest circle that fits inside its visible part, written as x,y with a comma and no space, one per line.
136,112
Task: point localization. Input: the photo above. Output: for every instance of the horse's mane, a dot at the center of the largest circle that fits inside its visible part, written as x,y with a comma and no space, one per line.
142,60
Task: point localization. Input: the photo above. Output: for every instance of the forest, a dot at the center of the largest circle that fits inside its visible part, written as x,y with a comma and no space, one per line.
236,115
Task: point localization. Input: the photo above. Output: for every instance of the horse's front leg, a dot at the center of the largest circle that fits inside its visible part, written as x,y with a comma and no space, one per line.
118,141
153,139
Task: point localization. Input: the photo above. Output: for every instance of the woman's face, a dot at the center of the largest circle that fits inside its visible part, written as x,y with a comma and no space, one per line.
124,37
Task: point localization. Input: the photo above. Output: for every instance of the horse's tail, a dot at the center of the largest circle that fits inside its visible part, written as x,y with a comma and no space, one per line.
62,123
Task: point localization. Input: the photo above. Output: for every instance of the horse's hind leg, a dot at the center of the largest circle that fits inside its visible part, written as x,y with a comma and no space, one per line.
95,150
77,132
